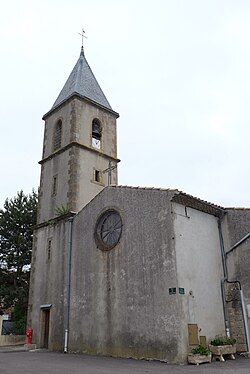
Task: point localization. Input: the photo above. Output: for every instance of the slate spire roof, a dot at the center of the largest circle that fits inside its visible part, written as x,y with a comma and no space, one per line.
83,83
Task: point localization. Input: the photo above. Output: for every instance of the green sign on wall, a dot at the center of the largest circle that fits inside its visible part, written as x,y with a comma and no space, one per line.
172,291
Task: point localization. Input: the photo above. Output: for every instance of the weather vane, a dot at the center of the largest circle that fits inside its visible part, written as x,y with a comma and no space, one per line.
82,35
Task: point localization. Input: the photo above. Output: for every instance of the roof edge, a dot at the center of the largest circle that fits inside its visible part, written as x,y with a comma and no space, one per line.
76,144
198,204
71,97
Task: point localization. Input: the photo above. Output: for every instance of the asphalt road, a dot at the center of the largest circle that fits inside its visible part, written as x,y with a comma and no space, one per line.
44,362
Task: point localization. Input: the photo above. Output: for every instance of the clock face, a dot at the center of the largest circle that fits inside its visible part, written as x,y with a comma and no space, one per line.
96,143
108,230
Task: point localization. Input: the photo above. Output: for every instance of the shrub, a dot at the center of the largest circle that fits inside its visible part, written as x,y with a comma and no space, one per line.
222,340
200,351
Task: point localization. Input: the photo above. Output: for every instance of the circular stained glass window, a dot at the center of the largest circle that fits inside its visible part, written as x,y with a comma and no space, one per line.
108,229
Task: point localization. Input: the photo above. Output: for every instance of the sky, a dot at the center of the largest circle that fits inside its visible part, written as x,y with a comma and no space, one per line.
177,72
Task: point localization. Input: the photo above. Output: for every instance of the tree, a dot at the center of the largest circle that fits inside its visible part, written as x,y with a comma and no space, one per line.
17,219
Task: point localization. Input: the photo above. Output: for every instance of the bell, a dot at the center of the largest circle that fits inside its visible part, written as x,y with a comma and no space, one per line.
96,133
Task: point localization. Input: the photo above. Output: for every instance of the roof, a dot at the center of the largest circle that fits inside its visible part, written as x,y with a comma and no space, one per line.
198,204
186,200
83,83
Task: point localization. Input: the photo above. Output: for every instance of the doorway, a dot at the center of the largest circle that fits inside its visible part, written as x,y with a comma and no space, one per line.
45,327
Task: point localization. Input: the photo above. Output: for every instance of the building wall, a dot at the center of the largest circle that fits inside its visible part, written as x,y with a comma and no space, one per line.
199,271
239,264
48,283
49,203
120,300
88,162
74,166
120,304
82,128
238,224
76,116
238,261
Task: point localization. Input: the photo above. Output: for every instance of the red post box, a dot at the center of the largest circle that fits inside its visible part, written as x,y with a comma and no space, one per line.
29,335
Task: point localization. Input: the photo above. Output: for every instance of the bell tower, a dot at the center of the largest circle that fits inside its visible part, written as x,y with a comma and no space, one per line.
79,145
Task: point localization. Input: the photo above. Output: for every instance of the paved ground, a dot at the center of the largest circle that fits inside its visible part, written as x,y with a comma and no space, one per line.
44,362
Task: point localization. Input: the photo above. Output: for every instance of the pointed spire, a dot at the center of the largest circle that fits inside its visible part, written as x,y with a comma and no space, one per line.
83,83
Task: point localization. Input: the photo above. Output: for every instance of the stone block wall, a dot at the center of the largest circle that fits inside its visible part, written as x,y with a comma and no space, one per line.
235,315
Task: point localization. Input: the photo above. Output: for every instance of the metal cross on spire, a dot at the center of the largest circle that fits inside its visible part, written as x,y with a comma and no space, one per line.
83,36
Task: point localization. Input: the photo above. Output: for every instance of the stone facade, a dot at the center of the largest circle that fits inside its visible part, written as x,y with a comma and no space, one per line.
120,304
48,282
237,329
120,300
76,159
238,221
238,224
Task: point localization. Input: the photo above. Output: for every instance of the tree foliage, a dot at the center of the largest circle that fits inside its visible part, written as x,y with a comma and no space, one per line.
17,219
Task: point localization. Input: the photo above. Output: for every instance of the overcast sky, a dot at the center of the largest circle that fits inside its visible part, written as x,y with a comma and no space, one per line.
177,71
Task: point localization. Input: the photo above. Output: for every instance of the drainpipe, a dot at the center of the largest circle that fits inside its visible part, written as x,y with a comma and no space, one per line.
66,333
225,273
238,243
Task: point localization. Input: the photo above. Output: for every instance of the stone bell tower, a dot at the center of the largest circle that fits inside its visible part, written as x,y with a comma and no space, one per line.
79,145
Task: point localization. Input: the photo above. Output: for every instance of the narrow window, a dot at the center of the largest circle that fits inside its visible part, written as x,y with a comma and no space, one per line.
54,185
49,249
97,176
57,135
96,133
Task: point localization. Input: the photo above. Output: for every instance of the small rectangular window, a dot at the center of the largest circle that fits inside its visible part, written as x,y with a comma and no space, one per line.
54,185
97,176
49,250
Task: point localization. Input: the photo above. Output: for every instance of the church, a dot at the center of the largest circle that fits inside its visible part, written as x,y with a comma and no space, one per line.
123,271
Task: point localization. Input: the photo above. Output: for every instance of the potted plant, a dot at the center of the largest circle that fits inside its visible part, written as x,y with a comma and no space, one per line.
221,346
199,355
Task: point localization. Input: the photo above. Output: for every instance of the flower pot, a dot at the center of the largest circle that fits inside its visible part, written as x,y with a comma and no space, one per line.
221,350
198,359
